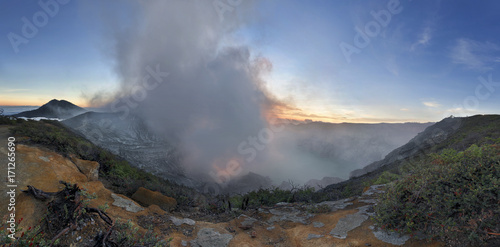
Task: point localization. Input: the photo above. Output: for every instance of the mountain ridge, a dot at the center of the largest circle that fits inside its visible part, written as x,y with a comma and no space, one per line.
60,109
452,132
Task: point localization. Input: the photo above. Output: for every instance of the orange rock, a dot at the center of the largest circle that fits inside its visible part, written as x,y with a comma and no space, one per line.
155,209
88,168
43,169
148,197
366,188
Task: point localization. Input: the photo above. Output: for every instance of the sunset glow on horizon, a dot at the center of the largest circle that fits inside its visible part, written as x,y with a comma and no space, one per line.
342,61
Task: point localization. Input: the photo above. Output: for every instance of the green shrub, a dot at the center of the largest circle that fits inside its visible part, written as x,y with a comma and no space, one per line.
455,197
30,237
125,178
7,120
127,235
386,177
271,196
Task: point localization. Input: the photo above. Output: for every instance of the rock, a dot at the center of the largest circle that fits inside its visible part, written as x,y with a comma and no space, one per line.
282,204
88,168
346,224
313,236
184,243
374,189
289,214
391,237
148,197
270,228
244,227
318,224
349,222
208,237
127,204
247,223
369,201
179,222
155,209
335,205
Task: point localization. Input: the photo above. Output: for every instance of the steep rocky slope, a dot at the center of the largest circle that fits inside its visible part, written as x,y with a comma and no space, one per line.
339,223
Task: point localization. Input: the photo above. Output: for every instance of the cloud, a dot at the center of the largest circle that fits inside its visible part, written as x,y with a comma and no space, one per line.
474,55
433,104
424,38
404,109
456,110
16,90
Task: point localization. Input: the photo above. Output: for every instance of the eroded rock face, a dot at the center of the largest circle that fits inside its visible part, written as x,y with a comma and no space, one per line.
148,197
127,204
42,169
88,168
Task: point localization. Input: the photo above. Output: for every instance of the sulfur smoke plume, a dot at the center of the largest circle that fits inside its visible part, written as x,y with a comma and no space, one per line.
183,73
213,97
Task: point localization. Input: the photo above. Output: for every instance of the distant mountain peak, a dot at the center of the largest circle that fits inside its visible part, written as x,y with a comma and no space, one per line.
61,103
61,109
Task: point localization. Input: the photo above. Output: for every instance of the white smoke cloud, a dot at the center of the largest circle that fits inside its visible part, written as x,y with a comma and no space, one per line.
212,98
212,102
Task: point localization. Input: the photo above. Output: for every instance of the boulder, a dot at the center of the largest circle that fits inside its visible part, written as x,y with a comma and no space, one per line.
208,237
148,197
88,168
125,203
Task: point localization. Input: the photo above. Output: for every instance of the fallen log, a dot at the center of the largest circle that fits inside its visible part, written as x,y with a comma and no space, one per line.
66,209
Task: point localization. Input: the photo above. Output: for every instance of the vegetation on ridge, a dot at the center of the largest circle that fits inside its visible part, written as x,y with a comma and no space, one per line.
449,191
114,171
454,196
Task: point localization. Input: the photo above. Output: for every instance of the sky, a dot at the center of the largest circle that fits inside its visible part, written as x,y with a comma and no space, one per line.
335,61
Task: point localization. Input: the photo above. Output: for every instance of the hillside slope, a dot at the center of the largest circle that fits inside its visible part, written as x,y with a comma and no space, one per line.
132,140
60,109
284,224
453,132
